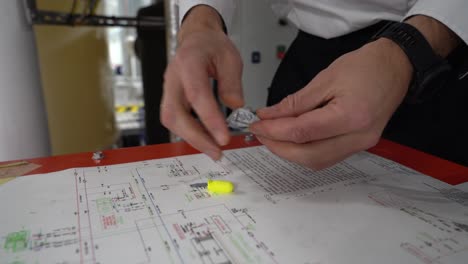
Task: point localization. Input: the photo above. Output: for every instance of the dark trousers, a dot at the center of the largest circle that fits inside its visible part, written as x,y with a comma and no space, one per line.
438,126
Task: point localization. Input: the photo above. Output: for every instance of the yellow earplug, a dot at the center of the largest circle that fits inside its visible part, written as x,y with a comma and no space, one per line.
220,187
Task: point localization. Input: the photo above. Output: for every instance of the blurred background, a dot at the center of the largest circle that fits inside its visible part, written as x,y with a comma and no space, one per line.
86,75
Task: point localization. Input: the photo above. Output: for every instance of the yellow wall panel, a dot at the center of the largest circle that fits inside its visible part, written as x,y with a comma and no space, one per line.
74,72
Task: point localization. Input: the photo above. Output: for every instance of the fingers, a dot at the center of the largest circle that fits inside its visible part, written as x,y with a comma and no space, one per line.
201,56
321,154
196,84
175,115
229,75
306,99
322,123
191,130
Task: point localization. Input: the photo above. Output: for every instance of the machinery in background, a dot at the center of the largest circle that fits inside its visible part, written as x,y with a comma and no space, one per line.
127,82
261,38
87,17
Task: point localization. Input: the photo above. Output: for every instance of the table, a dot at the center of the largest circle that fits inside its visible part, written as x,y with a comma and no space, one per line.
443,170
90,210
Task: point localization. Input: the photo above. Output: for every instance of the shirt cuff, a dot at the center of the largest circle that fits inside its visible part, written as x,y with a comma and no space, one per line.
224,7
450,13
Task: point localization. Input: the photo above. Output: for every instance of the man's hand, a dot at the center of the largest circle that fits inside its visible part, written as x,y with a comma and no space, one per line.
204,52
342,111
347,106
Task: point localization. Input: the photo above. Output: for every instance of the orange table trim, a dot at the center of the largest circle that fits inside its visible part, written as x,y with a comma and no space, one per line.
438,168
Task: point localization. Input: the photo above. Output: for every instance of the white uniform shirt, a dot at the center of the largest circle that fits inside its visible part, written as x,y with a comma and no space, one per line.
333,18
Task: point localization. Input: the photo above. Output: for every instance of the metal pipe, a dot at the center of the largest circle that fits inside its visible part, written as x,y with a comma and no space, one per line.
23,121
172,26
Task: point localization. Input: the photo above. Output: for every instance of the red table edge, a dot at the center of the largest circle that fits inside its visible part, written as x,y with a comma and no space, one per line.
438,168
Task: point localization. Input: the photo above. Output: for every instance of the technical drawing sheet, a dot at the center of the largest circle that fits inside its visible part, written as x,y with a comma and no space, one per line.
364,210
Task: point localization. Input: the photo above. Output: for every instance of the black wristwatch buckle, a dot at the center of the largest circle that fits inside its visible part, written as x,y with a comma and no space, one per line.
425,85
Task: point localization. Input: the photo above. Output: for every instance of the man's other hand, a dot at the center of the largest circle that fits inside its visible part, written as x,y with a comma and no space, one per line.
204,52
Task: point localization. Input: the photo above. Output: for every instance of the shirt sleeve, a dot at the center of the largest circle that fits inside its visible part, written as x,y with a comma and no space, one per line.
452,13
224,7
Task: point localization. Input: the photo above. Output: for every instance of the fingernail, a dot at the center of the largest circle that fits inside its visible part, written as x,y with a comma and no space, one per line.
214,154
261,112
221,138
253,129
239,99
234,99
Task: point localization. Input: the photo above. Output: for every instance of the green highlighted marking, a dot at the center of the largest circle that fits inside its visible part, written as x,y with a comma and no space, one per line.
240,249
17,241
104,205
17,262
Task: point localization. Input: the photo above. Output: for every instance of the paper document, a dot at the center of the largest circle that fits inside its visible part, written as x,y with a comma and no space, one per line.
16,169
364,210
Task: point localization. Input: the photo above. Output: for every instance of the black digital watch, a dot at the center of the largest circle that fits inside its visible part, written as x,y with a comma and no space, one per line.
430,70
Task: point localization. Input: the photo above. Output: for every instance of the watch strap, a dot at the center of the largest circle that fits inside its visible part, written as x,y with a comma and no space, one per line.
426,63
413,43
